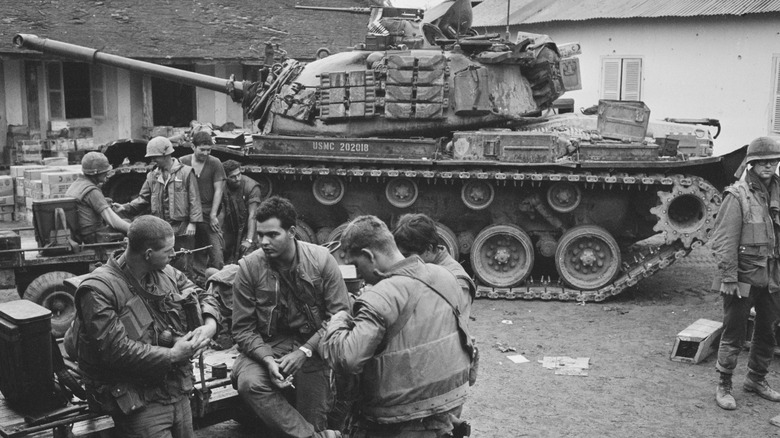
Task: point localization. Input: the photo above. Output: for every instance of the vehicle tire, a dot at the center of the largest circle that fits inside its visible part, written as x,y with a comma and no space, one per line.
49,291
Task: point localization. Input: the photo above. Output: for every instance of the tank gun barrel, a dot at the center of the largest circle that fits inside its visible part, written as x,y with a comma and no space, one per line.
352,10
94,56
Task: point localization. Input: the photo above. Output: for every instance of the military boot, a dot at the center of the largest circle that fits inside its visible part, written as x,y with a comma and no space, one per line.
761,388
723,396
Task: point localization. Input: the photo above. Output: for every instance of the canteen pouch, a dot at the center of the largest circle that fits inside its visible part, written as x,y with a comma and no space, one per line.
127,399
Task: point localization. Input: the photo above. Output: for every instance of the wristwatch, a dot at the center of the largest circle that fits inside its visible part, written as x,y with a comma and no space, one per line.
305,350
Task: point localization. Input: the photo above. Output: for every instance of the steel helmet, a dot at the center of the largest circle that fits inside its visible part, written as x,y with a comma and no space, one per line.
158,147
763,148
94,163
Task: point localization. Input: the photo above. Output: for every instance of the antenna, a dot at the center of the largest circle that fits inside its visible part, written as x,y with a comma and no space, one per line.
508,2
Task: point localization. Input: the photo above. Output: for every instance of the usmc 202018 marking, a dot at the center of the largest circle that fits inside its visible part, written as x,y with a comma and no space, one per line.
341,146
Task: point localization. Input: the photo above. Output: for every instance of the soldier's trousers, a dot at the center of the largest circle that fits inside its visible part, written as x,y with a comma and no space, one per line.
736,312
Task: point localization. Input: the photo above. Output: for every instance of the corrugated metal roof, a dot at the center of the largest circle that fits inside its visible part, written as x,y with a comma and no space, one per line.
185,29
493,12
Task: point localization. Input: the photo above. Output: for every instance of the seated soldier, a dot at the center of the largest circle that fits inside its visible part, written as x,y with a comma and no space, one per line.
93,209
415,234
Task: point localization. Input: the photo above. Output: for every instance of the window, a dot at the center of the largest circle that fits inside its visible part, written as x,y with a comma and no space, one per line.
775,122
173,104
621,78
76,90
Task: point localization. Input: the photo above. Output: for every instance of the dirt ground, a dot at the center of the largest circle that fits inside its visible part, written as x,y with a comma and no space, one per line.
632,388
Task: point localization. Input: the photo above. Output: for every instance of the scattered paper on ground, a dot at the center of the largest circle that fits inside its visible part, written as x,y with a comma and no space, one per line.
567,366
517,358
506,321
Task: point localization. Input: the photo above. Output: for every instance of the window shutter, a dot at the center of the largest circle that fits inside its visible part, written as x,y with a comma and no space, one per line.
55,90
610,79
632,79
97,91
776,113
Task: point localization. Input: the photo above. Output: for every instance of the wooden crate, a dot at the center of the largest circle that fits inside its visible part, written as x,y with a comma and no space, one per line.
695,343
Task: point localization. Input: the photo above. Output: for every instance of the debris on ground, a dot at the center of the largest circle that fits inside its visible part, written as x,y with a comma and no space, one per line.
518,358
617,309
504,348
506,321
567,366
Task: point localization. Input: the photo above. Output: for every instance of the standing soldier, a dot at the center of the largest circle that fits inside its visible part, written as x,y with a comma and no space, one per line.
211,183
139,323
745,246
281,296
171,189
239,205
408,342
92,206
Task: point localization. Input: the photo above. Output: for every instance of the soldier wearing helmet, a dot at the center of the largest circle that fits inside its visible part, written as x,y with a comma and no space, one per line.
91,205
746,247
171,192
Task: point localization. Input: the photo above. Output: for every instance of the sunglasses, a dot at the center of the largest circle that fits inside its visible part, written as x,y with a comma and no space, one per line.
766,162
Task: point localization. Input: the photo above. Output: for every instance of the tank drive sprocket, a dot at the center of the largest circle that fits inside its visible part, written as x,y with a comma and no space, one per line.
687,211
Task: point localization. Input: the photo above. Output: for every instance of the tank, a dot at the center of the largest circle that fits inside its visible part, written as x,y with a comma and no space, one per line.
428,116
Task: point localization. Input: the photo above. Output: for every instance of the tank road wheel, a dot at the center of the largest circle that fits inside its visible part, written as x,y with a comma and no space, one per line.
587,257
477,195
686,213
337,251
564,197
304,232
266,186
450,240
328,189
401,192
502,255
49,291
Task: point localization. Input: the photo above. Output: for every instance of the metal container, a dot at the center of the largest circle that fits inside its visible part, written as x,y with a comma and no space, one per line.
504,145
623,120
619,152
26,373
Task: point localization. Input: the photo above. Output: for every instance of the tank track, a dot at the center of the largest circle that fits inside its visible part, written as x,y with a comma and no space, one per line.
644,261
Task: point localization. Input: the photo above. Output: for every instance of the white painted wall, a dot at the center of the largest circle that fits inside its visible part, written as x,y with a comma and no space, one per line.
216,107
701,67
124,109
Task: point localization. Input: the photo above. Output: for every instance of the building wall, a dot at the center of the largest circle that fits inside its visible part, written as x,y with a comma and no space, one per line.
701,67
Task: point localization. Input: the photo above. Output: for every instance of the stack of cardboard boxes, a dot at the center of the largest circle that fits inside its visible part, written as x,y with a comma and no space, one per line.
29,151
61,141
7,207
34,182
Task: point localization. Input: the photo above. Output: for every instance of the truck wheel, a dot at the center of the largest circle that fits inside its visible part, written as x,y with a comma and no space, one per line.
48,291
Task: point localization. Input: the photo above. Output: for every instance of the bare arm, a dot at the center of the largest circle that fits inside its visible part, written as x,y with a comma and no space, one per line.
219,188
114,220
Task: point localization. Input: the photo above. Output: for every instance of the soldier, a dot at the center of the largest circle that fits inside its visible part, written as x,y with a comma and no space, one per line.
211,184
171,189
408,342
282,293
137,329
745,246
239,205
92,206
415,234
